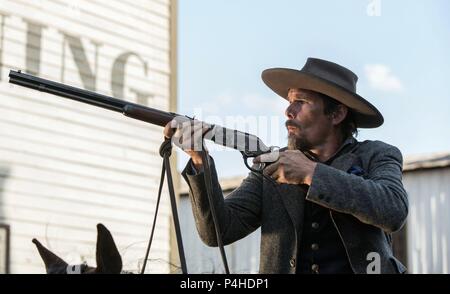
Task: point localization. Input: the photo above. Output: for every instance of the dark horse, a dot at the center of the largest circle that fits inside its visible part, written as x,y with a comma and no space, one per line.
108,257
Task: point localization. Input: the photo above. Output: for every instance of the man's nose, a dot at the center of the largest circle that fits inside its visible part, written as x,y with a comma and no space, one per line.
290,112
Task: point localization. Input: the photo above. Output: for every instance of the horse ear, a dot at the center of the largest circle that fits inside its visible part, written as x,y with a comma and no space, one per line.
53,263
108,257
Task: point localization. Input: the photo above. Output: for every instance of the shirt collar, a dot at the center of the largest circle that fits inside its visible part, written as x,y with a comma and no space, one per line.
349,141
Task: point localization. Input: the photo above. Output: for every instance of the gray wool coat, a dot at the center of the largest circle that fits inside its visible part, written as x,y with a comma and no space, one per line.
365,208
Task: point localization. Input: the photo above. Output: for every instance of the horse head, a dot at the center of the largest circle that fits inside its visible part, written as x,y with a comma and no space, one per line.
108,257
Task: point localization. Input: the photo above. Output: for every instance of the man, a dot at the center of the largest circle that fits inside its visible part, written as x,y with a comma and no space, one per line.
329,203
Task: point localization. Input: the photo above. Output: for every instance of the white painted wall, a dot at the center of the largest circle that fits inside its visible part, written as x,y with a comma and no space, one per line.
66,166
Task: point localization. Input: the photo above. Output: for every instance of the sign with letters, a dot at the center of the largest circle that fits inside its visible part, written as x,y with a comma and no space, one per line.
87,55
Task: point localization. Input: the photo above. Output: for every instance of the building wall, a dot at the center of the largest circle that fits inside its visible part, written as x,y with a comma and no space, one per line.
66,166
428,230
242,256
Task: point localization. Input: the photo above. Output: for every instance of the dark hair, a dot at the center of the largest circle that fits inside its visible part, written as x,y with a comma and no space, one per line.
348,125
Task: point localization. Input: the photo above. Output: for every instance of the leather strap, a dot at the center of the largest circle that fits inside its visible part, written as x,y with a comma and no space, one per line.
165,151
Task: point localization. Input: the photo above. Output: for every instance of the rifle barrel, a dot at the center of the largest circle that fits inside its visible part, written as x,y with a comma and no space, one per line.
244,142
129,109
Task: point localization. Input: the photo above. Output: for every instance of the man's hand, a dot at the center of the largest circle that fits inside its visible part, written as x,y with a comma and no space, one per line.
292,167
188,134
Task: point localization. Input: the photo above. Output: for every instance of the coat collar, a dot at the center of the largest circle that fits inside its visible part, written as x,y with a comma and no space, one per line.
350,141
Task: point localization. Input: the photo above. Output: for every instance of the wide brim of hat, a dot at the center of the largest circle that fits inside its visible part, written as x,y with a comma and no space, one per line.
280,80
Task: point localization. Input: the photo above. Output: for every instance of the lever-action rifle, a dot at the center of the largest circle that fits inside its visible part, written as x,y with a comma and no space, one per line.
249,145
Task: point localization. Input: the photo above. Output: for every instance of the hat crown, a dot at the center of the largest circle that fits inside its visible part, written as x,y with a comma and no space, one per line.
331,72
330,79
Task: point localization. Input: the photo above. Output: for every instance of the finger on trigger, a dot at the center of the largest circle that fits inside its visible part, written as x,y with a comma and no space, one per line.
257,159
271,168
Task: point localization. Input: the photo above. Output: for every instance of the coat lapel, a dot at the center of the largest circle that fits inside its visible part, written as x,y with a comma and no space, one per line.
293,199
293,196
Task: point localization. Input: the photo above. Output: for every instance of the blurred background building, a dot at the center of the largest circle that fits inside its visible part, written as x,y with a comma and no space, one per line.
426,238
242,256
66,166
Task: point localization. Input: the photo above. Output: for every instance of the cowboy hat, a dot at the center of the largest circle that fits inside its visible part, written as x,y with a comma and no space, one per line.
327,78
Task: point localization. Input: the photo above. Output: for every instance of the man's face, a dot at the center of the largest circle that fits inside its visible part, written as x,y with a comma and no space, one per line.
308,126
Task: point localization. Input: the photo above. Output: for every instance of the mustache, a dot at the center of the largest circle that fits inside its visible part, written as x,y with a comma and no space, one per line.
292,123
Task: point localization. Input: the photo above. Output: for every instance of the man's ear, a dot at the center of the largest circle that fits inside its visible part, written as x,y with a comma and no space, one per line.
53,263
339,115
107,255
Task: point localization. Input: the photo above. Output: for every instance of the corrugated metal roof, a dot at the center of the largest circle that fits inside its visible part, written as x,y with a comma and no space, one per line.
426,161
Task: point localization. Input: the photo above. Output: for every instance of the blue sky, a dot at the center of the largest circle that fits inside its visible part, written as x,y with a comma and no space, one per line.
399,49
